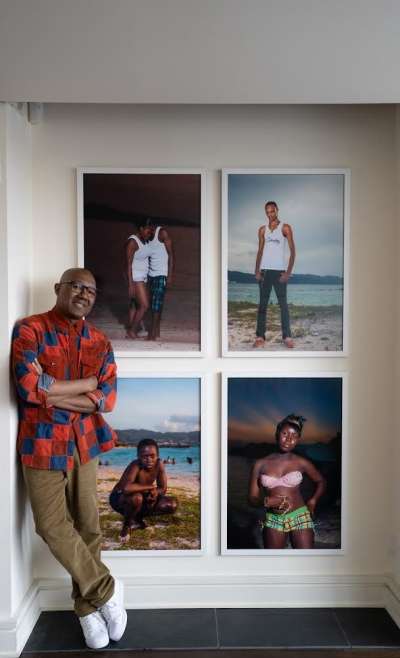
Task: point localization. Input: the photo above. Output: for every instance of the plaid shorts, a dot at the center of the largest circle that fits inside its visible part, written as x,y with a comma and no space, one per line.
157,285
299,519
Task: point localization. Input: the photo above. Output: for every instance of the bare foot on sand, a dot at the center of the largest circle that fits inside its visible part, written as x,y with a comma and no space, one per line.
125,535
289,342
131,334
137,525
259,342
126,530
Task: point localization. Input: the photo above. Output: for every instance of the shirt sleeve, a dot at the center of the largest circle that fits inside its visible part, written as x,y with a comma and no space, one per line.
105,395
31,386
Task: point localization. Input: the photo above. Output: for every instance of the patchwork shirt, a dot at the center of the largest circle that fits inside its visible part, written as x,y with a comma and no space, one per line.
47,435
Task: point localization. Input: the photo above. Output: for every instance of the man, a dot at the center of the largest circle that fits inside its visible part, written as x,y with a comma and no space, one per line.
65,377
161,265
137,262
273,271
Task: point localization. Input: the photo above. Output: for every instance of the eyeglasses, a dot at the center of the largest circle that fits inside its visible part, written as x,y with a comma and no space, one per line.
79,288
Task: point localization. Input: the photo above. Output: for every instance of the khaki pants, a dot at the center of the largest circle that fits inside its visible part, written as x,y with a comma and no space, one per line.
65,511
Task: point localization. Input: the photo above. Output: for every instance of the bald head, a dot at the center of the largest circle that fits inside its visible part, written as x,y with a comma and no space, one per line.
76,293
75,274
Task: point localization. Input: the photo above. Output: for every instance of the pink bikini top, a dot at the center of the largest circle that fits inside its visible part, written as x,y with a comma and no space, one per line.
291,479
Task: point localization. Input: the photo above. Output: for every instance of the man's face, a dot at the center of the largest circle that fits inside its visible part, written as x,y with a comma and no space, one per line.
145,232
148,456
272,212
76,295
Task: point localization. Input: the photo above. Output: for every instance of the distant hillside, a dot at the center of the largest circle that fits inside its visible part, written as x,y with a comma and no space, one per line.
245,277
164,439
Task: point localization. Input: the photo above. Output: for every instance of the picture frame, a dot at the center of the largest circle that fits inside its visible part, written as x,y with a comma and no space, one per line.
326,411
184,465
315,204
109,201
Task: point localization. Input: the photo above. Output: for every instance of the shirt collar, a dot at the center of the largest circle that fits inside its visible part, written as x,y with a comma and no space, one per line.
65,326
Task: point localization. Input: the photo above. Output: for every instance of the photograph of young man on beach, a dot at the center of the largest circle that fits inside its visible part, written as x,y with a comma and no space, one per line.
283,464
140,232
149,484
284,244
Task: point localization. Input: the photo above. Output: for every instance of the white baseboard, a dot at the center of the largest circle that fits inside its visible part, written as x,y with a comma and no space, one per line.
221,591
254,591
14,632
215,591
392,602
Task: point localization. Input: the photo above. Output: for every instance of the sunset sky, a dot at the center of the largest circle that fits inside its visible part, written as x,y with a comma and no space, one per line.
257,404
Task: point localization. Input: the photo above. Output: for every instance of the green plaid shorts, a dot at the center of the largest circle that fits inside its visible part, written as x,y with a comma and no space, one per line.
157,285
298,519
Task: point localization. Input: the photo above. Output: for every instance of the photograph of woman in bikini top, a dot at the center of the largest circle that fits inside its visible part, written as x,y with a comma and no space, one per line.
277,479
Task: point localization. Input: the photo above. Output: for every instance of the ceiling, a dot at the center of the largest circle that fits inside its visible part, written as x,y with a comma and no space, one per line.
200,51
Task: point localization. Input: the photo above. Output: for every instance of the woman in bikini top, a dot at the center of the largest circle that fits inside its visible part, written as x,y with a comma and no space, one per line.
275,484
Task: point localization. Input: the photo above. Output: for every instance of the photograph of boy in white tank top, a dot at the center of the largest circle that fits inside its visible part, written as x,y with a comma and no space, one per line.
284,291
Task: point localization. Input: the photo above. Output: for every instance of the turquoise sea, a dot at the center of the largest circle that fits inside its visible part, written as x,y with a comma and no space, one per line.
298,294
120,457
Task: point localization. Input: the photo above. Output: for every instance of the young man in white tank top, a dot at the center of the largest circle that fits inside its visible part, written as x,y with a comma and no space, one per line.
161,264
273,269
137,252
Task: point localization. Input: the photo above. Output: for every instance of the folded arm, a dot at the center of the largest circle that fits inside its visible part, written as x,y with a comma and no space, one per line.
39,388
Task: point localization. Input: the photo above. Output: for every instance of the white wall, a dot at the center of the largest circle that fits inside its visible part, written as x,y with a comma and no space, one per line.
212,137
186,51
16,571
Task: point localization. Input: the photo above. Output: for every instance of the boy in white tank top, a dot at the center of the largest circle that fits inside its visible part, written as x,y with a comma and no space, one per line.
137,252
161,263
274,263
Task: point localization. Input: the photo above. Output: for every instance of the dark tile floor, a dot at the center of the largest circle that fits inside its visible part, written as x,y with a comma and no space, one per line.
256,628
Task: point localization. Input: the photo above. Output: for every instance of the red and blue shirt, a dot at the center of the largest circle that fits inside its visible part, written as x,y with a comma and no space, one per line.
47,435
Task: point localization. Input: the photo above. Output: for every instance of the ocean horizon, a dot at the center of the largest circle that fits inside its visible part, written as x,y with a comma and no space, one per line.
121,456
297,294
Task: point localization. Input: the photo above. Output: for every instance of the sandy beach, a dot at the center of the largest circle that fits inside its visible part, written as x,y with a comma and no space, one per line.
180,331
314,328
179,531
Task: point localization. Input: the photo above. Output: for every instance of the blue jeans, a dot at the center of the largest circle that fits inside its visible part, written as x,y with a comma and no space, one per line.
270,279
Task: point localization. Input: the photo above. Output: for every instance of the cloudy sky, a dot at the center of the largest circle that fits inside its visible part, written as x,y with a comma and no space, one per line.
313,206
256,405
162,404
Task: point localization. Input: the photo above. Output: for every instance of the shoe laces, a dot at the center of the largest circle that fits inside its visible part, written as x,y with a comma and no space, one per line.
92,622
110,608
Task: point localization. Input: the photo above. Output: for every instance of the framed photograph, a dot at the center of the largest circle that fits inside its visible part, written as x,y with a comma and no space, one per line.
285,246
150,486
140,233
283,470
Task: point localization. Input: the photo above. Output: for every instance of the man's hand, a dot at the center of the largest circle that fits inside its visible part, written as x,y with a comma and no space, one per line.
311,504
152,494
131,290
91,383
279,504
258,276
284,277
169,281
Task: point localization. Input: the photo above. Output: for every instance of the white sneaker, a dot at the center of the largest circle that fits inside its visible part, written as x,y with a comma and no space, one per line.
95,630
115,614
